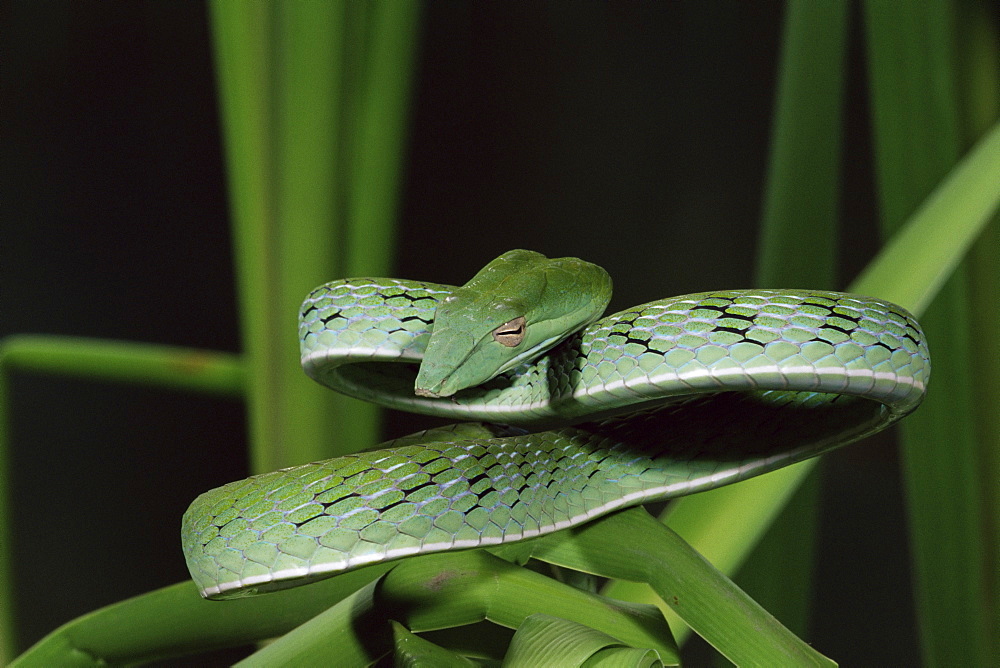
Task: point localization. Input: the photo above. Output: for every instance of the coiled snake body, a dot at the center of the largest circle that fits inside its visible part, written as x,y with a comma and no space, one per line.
579,416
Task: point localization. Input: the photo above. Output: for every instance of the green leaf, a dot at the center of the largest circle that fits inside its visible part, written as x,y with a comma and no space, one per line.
799,221
623,657
724,524
543,640
175,620
798,246
949,481
273,111
354,627
939,233
632,545
412,651
173,367
483,641
437,591
313,98
440,590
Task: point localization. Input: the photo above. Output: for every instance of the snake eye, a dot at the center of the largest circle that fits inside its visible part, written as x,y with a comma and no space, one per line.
510,333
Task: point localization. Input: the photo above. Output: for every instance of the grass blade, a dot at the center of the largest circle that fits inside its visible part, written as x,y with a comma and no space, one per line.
726,524
352,626
543,640
918,133
8,616
940,232
173,367
378,127
980,69
258,80
413,650
440,590
692,588
799,221
798,247
304,88
437,591
175,620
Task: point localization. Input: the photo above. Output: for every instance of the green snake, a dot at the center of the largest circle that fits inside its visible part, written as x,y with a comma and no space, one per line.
574,415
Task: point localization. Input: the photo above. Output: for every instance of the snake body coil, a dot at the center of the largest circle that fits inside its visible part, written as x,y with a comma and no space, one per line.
660,400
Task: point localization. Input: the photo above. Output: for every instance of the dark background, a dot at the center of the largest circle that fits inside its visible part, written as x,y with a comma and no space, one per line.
631,134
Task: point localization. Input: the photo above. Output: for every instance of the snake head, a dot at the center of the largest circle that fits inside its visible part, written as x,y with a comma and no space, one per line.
517,307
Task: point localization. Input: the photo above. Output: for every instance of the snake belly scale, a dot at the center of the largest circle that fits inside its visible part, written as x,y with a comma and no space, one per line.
657,401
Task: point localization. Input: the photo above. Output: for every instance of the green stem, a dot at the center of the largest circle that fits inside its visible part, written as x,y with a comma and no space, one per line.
174,621
313,98
170,367
691,587
443,590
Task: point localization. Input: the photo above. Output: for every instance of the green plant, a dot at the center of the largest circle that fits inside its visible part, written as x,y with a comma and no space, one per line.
942,230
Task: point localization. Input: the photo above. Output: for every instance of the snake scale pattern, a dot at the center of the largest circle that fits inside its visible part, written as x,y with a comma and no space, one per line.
657,401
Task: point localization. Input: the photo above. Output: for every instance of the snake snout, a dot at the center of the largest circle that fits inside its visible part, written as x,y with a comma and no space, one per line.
433,381
424,392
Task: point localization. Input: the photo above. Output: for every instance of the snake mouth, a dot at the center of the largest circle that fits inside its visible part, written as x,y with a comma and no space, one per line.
437,381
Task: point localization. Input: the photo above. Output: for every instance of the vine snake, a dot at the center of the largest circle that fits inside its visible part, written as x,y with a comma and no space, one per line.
575,415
